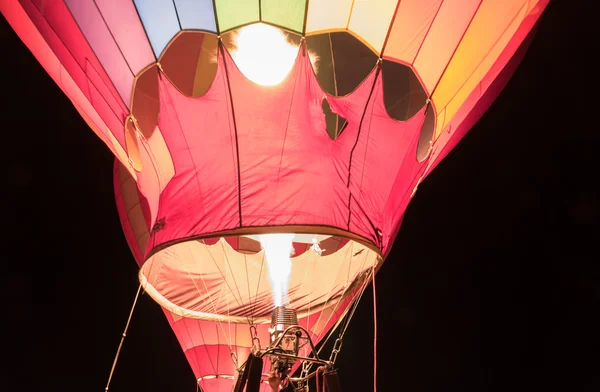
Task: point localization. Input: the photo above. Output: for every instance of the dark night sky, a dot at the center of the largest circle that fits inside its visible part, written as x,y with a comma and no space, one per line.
492,285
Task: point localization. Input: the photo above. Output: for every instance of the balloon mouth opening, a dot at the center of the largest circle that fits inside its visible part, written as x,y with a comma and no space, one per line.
266,54
238,278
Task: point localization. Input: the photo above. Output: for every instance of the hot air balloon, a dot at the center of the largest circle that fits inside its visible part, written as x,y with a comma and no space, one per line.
266,151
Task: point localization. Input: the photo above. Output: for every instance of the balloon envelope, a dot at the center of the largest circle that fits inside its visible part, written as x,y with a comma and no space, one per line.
232,119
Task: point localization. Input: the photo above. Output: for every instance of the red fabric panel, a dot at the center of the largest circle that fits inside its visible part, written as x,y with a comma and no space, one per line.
385,147
202,197
290,171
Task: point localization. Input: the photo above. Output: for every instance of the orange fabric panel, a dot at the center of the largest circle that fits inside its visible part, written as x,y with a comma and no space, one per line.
488,34
409,28
448,27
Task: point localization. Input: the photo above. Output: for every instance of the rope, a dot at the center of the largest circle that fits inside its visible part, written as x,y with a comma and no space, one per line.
112,369
374,332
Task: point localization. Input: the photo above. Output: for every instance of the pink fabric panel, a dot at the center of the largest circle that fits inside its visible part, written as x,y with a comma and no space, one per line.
55,23
489,88
291,172
25,27
208,351
384,146
124,24
326,321
407,178
202,197
216,385
205,358
352,108
104,103
288,173
201,332
213,359
90,22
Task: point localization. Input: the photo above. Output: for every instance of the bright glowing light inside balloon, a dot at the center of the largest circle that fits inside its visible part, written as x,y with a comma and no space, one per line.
278,251
263,54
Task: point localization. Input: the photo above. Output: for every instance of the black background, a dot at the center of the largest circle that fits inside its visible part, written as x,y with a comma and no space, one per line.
492,285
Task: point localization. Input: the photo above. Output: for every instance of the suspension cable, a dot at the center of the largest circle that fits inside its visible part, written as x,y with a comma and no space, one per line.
112,369
374,332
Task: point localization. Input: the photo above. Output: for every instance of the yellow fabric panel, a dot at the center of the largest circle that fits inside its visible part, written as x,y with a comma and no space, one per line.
371,20
327,14
441,119
413,19
448,27
489,33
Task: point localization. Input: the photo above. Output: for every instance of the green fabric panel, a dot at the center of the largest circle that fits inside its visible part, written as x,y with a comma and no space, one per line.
284,13
233,13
